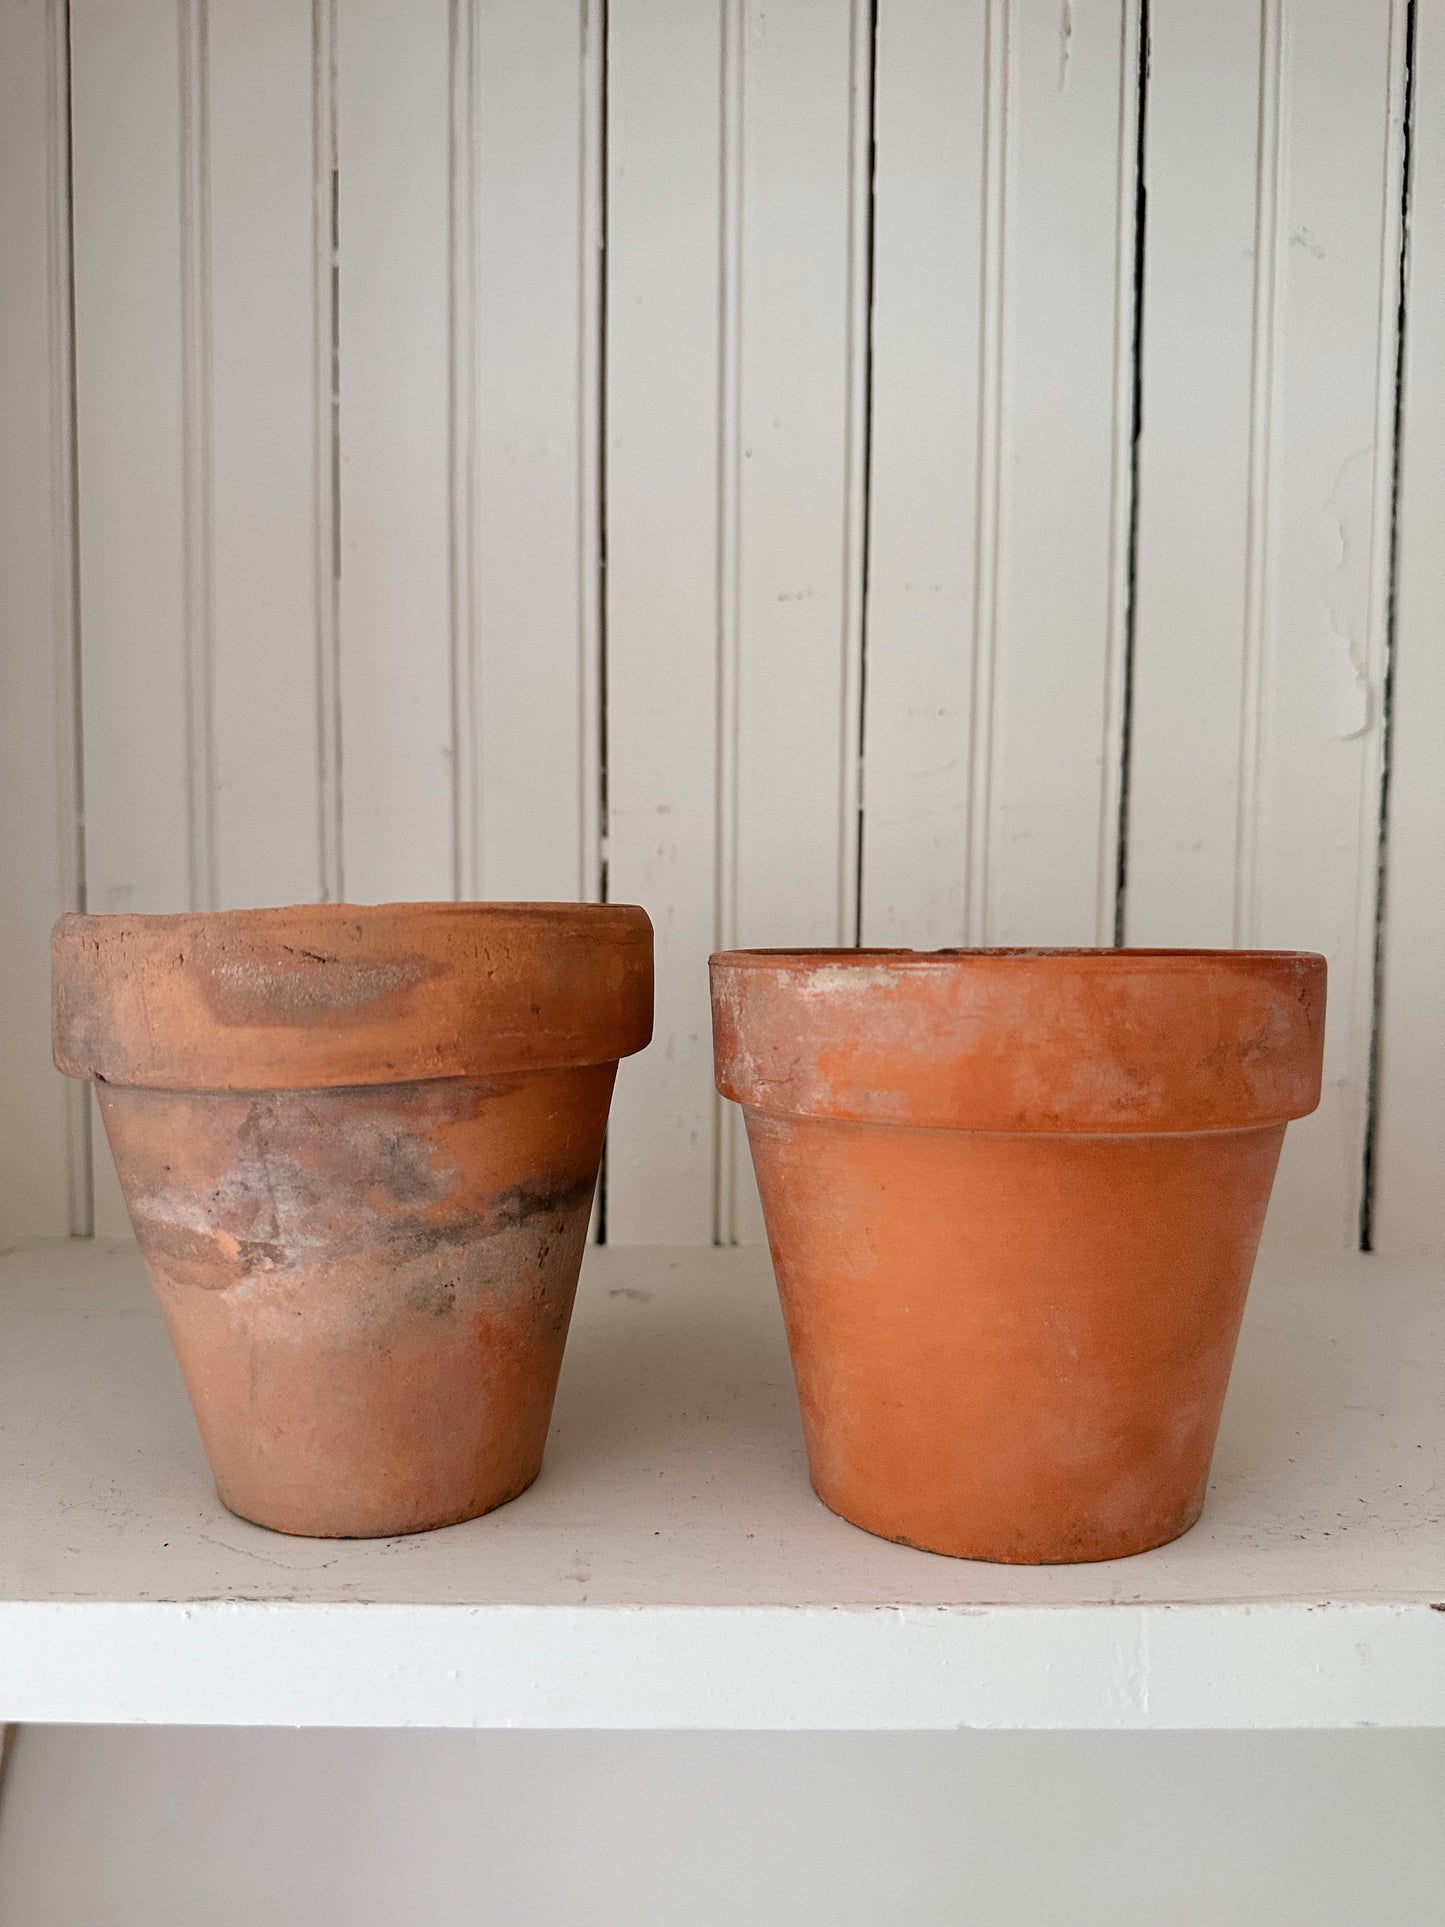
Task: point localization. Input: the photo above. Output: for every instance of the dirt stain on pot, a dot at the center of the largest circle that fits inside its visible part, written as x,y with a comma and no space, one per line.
521,1202
303,986
298,1174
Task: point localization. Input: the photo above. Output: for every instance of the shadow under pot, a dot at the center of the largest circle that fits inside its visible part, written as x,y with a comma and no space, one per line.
1013,1200
359,1146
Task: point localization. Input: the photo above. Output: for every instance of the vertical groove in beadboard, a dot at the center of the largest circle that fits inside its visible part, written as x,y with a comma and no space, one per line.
196,492
1133,53
1261,448
462,451
591,476
858,356
726,1135
327,445
1384,564
990,473
592,492
65,566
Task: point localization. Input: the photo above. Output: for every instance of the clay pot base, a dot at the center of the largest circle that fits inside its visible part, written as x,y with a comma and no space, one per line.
476,1510
992,1555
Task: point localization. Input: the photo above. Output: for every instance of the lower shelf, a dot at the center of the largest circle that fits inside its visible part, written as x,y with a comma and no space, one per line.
671,1567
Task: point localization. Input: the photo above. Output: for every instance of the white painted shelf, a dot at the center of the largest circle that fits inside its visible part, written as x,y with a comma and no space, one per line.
671,1567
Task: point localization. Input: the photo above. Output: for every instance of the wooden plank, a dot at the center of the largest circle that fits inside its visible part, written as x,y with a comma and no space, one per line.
44,1180
1280,654
1409,1203
145,739
269,545
1000,497
128,303
801,346
1211,166
1311,861
1048,710
927,324
797,355
528,260
662,452
398,750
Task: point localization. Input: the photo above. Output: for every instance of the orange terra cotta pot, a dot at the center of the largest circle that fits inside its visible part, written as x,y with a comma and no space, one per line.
359,1146
1013,1200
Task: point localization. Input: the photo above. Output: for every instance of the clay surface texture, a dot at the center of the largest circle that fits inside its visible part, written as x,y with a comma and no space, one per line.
1013,1200
359,1147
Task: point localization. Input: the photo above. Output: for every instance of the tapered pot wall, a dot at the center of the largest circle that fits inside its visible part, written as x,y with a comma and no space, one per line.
367,1281
1011,1315
1009,1356
368,1290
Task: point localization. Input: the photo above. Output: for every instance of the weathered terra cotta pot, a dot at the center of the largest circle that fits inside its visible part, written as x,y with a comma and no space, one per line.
359,1146
1013,1200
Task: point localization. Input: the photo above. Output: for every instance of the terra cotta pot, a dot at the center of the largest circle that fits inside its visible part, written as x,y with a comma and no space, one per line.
1013,1200
359,1147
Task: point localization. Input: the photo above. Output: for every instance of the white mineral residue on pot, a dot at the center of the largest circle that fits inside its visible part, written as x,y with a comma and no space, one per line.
815,983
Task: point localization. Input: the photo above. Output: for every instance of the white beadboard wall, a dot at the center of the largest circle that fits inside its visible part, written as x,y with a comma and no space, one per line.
898,471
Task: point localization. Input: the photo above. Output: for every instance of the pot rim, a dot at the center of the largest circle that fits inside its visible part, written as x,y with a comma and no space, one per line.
345,910
860,956
1069,1041
316,996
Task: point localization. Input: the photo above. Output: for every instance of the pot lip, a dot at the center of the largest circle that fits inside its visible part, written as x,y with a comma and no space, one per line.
321,996
404,910
954,957
1035,1040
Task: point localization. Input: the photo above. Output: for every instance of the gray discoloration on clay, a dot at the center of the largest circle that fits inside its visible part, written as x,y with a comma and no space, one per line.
539,1196
523,1264
331,1199
307,1175
314,985
434,1297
